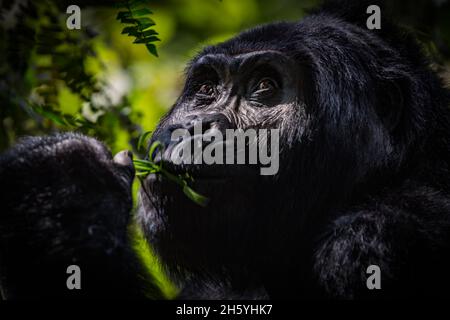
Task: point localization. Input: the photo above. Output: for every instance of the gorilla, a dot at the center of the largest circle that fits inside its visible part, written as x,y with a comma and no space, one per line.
363,179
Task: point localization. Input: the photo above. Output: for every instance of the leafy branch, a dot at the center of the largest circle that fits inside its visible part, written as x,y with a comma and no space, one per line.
62,119
135,15
146,167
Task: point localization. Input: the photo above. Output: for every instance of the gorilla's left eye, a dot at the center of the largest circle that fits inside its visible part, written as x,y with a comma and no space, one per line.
265,87
207,90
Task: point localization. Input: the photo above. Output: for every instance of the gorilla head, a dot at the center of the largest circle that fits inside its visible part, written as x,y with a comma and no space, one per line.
355,111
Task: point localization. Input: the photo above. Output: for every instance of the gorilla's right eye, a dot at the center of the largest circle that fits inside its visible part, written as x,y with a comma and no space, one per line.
207,90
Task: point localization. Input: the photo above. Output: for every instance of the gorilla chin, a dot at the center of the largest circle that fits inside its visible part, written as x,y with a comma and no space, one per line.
223,234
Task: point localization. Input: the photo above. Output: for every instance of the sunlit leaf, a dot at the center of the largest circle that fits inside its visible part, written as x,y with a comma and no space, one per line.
138,17
146,167
152,49
194,196
123,15
149,33
140,12
130,30
147,40
142,139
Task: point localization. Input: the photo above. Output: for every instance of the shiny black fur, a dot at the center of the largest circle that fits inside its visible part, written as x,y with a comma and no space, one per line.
64,202
364,179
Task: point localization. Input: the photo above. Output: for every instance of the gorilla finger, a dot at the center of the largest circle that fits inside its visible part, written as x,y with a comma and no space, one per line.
124,161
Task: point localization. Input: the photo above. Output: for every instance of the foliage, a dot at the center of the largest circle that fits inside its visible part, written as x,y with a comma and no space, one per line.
146,167
140,24
47,82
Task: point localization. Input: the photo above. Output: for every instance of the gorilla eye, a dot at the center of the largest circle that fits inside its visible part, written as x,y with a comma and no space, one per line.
265,86
207,90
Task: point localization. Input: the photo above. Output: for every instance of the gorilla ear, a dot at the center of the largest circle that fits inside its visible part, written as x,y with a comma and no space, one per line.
390,103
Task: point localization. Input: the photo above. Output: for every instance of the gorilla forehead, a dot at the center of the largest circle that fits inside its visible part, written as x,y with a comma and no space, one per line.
241,62
311,34
334,74
274,36
320,42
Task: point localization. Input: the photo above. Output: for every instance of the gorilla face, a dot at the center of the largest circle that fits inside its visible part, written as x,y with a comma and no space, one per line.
256,90
249,91
318,82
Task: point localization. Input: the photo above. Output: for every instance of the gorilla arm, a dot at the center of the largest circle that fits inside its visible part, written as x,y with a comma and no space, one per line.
404,232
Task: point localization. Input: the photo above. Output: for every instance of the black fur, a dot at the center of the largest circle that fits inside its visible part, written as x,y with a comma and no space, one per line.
64,202
364,179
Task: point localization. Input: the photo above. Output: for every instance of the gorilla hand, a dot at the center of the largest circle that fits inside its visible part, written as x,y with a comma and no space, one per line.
66,201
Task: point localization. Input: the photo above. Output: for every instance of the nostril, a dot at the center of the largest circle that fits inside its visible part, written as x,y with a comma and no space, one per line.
190,122
208,121
214,125
164,137
216,121
192,118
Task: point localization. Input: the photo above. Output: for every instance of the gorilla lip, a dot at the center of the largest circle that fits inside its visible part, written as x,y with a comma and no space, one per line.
212,149
209,172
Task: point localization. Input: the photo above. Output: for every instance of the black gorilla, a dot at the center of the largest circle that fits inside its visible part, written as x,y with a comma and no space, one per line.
363,178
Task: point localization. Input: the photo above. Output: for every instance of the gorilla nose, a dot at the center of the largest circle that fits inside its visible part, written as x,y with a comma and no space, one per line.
204,123
193,125
217,121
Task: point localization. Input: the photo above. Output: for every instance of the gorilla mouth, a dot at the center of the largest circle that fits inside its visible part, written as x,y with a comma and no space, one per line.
201,183
203,171
209,173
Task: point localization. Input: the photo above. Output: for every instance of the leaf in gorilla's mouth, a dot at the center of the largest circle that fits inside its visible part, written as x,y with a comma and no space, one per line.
146,167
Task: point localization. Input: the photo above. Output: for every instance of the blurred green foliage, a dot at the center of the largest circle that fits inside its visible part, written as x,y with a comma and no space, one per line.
96,81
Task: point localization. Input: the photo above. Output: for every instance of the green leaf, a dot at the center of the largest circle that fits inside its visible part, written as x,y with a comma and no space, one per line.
140,12
146,25
142,139
194,196
145,21
141,174
155,145
149,33
53,117
147,40
130,30
69,121
152,49
145,167
141,24
124,15
129,21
